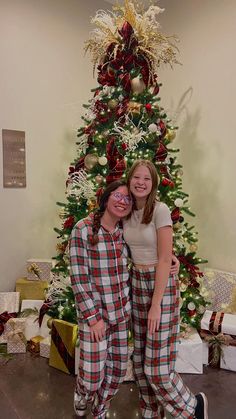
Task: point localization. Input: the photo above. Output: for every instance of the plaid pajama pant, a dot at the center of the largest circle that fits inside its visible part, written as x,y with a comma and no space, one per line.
102,365
155,354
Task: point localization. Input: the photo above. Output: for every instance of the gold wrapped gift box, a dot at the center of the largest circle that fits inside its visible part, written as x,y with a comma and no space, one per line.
31,290
62,351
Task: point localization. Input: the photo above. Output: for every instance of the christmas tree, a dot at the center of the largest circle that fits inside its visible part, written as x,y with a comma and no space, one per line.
124,121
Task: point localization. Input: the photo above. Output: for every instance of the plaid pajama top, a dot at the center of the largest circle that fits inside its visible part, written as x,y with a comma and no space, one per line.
99,274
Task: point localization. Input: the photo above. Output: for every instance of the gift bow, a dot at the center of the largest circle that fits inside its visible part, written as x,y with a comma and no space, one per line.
4,317
16,334
33,268
215,343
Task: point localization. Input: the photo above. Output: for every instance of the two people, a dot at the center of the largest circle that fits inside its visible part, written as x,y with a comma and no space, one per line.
100,281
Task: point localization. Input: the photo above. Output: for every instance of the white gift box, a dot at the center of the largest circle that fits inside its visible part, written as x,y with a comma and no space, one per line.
45,347
9,301
38,269
228,361
218,322
189,356
31,321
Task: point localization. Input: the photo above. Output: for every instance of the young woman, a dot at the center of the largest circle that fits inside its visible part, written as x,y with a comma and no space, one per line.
100,281
155,298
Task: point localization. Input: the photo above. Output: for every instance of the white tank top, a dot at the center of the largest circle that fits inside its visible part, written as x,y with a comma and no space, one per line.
142,238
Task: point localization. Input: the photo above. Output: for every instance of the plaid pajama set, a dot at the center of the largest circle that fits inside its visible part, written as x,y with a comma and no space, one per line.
155,354
100,282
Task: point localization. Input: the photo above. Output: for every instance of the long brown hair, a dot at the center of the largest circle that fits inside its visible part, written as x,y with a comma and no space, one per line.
102,202
152,197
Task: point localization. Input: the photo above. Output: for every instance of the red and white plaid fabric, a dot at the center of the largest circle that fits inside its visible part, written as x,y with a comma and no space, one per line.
102,365
155,354
99,274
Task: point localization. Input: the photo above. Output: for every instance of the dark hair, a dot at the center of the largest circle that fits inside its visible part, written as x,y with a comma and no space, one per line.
152,198
102,202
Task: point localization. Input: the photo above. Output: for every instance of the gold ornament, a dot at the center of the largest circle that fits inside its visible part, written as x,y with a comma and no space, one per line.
134,107
90,161
92,205
102,161
49,322
137,85
193,248
112,103
170,134
99,179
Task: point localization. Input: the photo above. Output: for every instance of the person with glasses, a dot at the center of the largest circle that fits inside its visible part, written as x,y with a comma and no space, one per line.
100,281
155,302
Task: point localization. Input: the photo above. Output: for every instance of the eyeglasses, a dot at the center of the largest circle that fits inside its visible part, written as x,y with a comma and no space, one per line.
119,196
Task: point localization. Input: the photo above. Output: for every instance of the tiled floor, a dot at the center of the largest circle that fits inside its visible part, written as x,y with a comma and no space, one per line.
30,389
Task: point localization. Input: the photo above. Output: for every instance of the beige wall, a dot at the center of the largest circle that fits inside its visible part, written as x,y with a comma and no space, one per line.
45,78
201,95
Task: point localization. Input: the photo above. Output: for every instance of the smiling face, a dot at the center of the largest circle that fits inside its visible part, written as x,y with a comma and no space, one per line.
119,203
141,182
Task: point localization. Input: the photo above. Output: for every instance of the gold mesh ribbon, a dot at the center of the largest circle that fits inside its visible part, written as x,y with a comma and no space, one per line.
215,343
16,335
34,269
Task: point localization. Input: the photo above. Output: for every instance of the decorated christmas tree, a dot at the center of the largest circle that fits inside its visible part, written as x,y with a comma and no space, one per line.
124,121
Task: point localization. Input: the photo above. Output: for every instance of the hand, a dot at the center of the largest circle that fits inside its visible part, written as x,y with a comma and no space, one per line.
154,316
174,270
98,331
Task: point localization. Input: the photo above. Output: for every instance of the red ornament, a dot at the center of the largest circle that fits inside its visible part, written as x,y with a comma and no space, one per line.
148,107
175,215
167,182
124,146
191,312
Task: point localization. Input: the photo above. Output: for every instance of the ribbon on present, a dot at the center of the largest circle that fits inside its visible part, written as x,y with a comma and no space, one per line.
215,343
68,360
4,317
216,320
34,269
16,335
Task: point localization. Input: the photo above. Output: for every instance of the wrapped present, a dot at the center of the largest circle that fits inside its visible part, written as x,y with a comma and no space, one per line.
38,269
9,301
218,330
16,341
31,290
34,344
4,317
30,310
219,287
62,352
189,355
130,372
219,322
228,360
45,345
